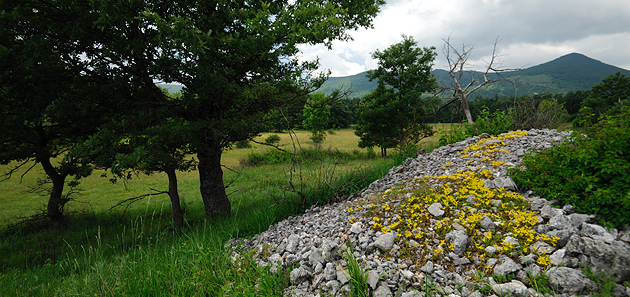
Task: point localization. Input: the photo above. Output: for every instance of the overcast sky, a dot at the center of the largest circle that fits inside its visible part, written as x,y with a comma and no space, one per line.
531,32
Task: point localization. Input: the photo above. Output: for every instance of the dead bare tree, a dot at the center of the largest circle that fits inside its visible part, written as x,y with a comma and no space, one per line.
459,69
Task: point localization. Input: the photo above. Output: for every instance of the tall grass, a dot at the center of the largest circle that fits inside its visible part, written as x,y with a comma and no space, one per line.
136,251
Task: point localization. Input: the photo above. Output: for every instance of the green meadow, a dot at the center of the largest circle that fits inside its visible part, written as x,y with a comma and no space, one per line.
113,249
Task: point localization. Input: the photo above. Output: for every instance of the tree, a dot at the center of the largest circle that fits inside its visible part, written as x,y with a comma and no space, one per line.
236,60
614,90
393,114
465,82
49,104
316,116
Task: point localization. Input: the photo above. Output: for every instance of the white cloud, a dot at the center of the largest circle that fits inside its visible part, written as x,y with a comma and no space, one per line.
531,32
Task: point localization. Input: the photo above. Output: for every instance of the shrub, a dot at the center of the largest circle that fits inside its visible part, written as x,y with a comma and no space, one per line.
592,173
527,115
494,124
243,144
458,132
272,139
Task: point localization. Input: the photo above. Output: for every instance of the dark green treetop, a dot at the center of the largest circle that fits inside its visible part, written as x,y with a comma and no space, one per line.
393,114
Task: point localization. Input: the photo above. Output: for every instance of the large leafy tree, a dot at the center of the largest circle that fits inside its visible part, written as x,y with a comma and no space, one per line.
236,60
393,114
48,103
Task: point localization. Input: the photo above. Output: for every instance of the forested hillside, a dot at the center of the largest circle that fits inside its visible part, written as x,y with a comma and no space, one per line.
571,72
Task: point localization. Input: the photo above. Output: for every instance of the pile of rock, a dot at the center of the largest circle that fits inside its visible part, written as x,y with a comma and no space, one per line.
318,239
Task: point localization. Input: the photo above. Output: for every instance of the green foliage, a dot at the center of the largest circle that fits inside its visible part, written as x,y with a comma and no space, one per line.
272,139
456,133
605,284
357,275
316,116
592,173
241,144
494,124
275,156
393,114
612,91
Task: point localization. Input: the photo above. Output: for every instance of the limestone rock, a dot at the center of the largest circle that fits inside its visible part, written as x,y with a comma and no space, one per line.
385,242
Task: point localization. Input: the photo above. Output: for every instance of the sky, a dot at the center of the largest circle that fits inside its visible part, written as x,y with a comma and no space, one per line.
529,32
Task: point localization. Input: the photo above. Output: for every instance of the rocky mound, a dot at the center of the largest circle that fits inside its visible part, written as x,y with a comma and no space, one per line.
452,223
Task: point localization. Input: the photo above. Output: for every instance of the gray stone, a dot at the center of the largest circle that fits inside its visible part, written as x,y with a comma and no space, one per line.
566,280
382,291
620,291
563,236
413,293
385,242
292,243
413,243
315,258
559,222
487,223
319,267
529,259
333,286
342,276
543,247
356,228
548,212
436,209
512,241
330,250
427,268
505,182
408,275
490,250
299,275
372,279
507,266
459,240
275,260
532,270
569,209
513,288
558,257
612,259
596,232
330,272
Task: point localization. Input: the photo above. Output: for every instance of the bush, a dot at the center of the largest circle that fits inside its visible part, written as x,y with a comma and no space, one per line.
458,132
592,173
243,144
494,124
272,139
527,115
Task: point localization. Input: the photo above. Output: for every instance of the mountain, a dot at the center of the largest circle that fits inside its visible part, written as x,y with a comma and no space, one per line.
570,72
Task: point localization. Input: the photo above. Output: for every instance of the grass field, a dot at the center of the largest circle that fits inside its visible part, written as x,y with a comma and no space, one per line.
98,195
135,251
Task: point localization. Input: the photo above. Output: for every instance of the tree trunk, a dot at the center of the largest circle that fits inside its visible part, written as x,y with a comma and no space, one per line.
383,152
466,109
55,203
176,208
215,199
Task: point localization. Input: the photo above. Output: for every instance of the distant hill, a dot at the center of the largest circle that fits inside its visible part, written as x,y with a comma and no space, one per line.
570,72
